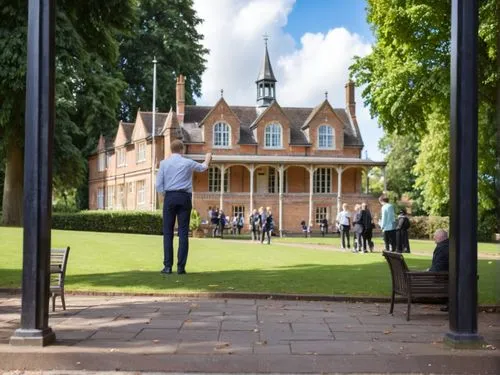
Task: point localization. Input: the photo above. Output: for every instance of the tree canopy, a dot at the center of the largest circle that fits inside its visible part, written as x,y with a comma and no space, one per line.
103,73
407,87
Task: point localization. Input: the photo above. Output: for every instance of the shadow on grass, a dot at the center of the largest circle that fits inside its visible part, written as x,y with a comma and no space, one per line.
371,279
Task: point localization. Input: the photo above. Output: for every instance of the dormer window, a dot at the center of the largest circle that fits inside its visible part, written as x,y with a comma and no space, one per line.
326,139
272,136
222,135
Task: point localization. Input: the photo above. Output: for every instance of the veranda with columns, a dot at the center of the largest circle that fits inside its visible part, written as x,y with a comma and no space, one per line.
288,186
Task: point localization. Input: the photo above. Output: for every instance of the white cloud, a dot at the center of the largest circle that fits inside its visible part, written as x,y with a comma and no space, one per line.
233,32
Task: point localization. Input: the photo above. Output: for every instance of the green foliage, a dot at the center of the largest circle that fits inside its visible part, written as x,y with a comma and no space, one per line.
424,227
195,220
165,29
401,152
406,80
432,167
144,222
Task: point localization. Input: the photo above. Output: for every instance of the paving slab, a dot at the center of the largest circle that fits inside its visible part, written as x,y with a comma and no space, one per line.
103,333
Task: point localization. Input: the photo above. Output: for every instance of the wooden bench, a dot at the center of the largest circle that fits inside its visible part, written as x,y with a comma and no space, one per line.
58,263
413,284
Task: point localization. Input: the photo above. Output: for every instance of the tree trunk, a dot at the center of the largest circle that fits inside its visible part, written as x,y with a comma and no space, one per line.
497,110
12,207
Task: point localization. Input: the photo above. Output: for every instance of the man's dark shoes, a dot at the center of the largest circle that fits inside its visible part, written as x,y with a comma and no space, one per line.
166,270
181,272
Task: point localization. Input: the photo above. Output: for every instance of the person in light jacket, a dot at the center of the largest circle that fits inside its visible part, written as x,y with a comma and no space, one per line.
388,223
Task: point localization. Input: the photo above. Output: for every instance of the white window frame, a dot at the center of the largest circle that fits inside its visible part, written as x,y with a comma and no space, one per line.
100,198
101,162
214,180
272,132
141,152
110,197
322,181
328,136
141,192
320,214
221,132
121,157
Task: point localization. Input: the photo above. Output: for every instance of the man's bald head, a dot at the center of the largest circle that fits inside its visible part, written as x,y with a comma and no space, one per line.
440,235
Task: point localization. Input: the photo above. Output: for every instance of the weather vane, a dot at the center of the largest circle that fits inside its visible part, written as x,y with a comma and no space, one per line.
266,38
326,95
221,93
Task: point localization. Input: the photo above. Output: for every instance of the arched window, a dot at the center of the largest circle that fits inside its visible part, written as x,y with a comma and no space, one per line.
326,137
272,136
222,135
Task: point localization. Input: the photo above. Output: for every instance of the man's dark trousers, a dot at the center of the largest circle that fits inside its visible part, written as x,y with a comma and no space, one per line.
177,204
390,239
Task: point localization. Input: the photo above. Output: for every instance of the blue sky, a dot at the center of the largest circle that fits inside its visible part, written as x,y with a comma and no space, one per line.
322,15
312,44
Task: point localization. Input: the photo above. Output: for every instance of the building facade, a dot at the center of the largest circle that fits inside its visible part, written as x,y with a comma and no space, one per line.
302,162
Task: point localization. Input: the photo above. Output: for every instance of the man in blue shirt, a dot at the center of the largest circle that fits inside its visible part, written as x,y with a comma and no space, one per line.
175,181
388,223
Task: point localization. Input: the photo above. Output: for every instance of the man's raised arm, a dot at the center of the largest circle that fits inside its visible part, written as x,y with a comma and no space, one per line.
202,167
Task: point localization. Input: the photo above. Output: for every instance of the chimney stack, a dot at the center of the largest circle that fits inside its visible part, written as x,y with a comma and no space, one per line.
180,96
350,103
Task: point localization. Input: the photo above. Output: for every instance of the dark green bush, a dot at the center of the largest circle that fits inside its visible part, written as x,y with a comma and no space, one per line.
143,222
424,226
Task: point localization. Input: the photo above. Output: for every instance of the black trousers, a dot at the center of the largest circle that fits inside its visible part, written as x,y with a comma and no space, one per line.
390,240
345,234
255,233
176,205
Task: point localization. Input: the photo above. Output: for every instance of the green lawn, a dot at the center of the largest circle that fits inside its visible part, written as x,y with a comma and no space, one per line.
420,246
131,263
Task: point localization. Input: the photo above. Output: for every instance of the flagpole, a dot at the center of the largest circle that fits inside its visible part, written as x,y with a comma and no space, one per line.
153,146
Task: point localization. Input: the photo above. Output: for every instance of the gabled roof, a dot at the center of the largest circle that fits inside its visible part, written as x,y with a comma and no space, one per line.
247,115
128,128
172,123
266,70
315,112
219,102
147,119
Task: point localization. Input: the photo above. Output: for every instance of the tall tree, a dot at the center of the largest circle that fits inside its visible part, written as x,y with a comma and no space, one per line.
401,152
407,78
85,46
166,29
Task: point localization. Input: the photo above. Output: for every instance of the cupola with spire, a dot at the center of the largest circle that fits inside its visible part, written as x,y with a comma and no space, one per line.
266,82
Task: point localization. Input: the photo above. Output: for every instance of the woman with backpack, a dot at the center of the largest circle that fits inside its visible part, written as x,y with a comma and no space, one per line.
268,226
402,238
254,221
240,223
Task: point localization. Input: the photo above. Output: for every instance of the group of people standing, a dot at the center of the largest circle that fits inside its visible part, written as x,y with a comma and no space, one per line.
261,224
219,220
362,222
394,229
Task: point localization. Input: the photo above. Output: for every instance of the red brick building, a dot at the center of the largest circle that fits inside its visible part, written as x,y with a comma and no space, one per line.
302,162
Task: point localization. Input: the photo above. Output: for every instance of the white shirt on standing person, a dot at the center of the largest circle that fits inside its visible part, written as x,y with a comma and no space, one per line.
344,217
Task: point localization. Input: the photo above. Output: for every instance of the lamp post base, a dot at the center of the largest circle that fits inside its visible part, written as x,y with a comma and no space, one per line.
33,337
458,340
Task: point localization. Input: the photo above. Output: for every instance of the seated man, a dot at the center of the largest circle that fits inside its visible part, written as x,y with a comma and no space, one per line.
440,257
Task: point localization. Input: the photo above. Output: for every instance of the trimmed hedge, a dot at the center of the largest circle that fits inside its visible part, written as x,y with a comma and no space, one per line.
143,222
146,222
423,227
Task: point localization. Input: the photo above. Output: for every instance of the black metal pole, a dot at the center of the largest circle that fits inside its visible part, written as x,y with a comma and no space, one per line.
39,128
463,175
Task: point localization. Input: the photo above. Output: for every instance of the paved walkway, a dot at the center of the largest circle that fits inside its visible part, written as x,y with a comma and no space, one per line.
237,335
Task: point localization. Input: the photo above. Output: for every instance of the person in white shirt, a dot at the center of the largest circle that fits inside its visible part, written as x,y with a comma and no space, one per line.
344,220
